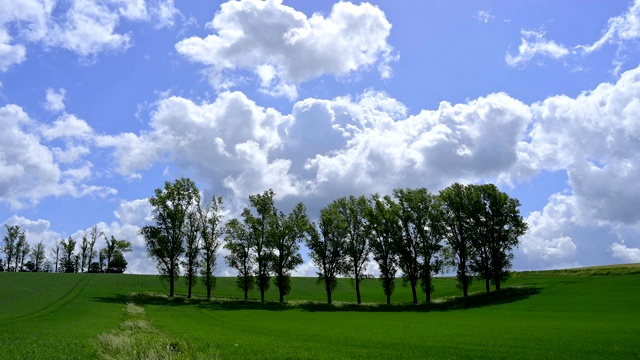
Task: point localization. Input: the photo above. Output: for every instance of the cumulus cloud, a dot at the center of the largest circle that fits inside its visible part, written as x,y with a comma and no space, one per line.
594,138
85,27
285,47
624,253
534,43
28,167
546,238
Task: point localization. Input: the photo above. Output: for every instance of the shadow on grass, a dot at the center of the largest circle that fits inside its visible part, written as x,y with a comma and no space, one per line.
504,296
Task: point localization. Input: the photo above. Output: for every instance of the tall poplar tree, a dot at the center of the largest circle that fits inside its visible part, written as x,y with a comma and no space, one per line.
165,240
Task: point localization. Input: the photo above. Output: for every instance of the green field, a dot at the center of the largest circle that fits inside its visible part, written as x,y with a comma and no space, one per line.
580,313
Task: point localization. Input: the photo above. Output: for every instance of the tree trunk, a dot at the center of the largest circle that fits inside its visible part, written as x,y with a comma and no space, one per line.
497,281
387,284
328,288
413,292
487,284
246,295
171,288
358,290
262,294
209,288
189,285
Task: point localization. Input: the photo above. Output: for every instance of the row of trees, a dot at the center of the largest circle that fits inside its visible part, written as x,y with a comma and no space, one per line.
64,257
472,228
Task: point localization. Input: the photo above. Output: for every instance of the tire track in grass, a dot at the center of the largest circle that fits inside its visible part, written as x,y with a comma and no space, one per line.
57,304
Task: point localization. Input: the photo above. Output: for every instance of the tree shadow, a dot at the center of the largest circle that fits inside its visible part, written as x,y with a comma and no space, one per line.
504,296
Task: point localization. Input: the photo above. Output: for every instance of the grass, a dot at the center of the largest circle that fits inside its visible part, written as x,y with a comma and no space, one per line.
556,314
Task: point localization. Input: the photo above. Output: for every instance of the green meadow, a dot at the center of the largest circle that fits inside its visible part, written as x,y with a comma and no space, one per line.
591,313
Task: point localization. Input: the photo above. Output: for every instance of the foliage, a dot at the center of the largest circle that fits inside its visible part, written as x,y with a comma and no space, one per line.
212,229
383,218
286,233
165,240
113,254
356,244
326,247
240,246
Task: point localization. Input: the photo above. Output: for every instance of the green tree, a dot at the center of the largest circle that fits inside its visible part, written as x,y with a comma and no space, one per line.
165,239
10,241
115,248
38,256
68,259
84,252
420,223
326,247
240,245
384,221
118,264
212,229
24,251
286,233
455,217
352,210
259,230
192,232
94,235
408,245
55,253
500,226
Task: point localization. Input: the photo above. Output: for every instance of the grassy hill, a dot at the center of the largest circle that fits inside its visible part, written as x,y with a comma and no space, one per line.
577,313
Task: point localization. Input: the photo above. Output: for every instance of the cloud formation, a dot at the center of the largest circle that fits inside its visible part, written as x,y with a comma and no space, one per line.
284,47
85,27
534,43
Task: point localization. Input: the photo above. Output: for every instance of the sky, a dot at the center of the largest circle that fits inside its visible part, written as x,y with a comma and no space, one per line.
102,101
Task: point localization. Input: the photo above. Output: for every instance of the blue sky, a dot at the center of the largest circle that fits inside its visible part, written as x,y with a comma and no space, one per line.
103,101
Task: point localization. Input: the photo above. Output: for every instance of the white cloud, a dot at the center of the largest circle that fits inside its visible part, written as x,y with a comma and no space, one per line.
594,138
55,100
67,126
484,16
135,212
619,29
534,43
86,27
624,253
28,167
546,238
284,47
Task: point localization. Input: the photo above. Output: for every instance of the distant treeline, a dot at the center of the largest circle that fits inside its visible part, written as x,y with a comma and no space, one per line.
63,256
472,228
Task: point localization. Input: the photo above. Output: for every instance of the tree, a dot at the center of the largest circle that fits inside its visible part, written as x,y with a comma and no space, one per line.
38,256
454,214
352,210
19,250
24,251
421,226
408,245
93,237
258,228
55,253
10,243
115,248
240,244
286,234
383,218
67,260
326,247
165,240
211,230
192,232
501,225
118,264
84,253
